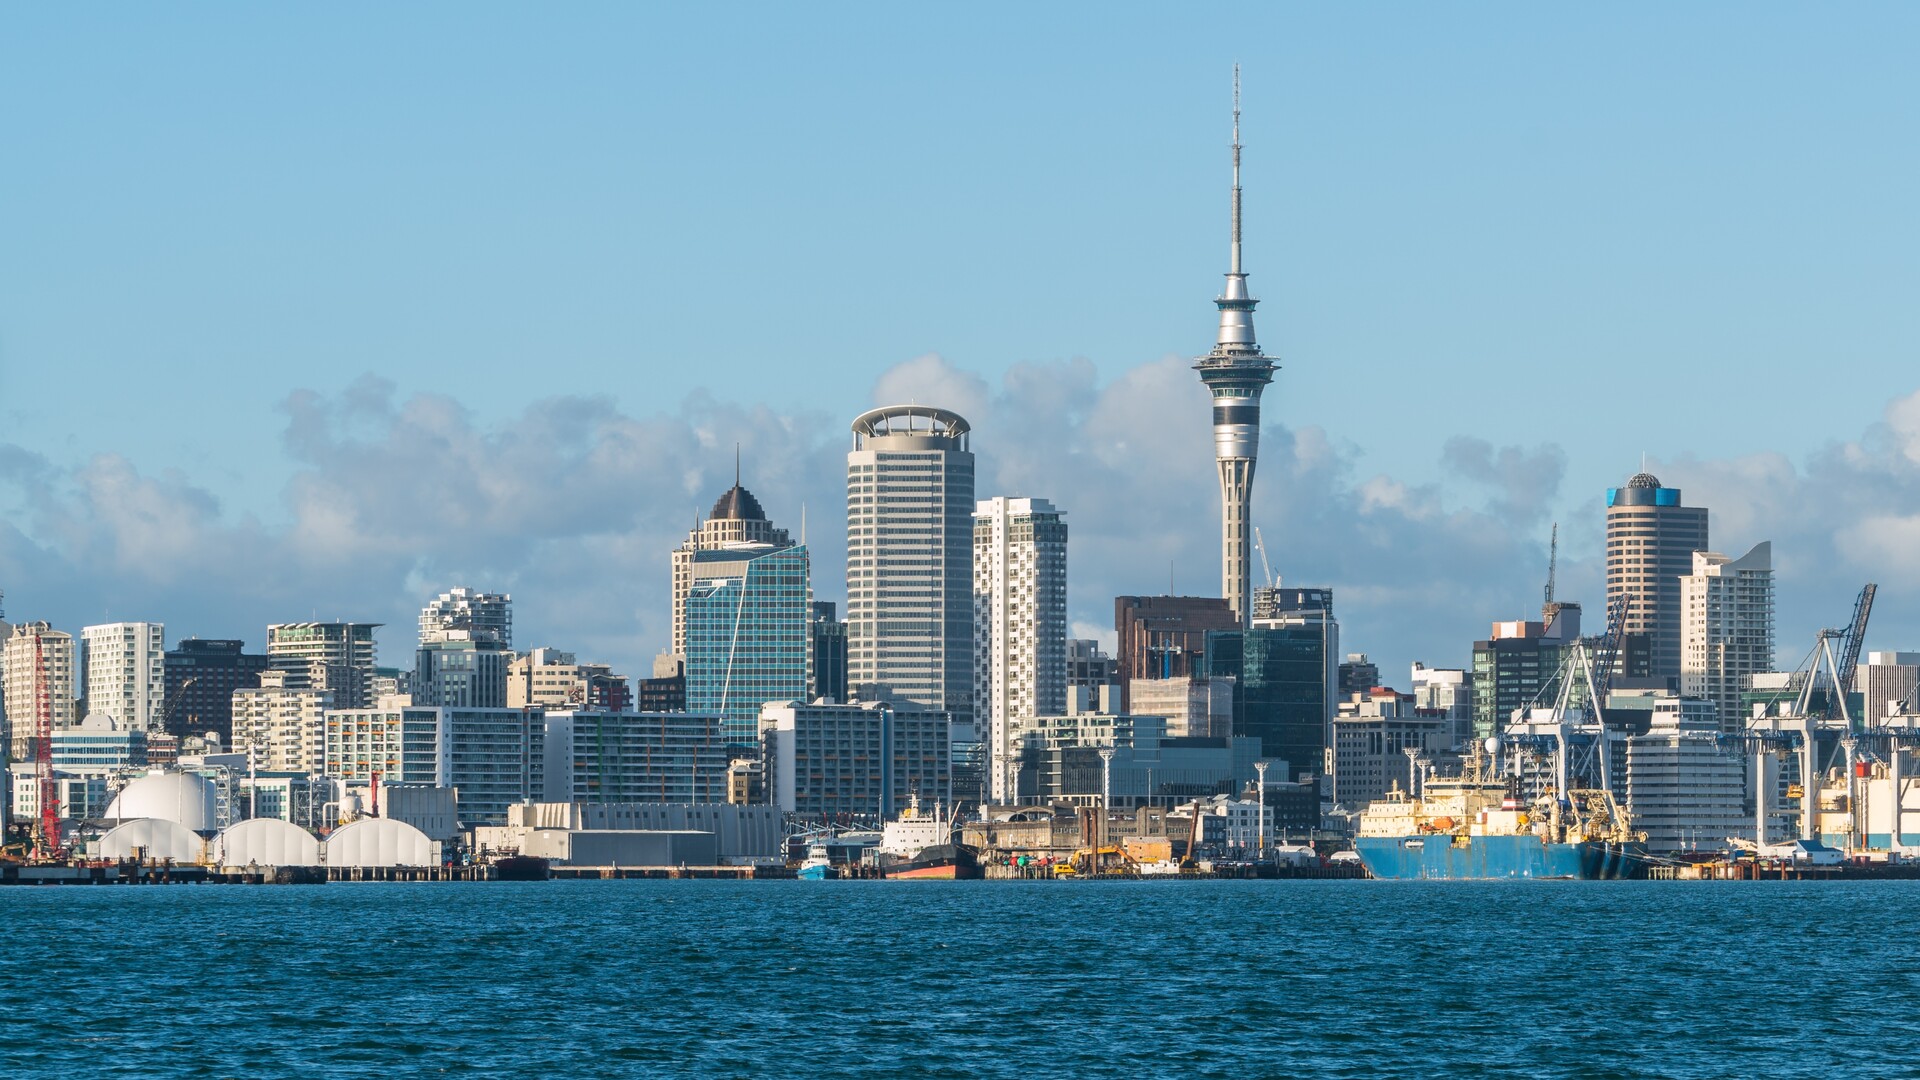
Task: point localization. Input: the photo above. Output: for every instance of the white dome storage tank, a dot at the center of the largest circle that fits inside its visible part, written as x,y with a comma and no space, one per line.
152,838
380,842
267,842
186,799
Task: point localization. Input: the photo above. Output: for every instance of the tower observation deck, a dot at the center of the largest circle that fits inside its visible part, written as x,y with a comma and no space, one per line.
1236,372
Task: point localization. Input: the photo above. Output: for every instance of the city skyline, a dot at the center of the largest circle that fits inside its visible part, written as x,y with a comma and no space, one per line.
391,487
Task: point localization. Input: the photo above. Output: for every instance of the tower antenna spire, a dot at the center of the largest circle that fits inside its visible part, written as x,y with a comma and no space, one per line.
1235,266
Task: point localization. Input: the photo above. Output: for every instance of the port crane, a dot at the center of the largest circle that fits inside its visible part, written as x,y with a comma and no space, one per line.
47,843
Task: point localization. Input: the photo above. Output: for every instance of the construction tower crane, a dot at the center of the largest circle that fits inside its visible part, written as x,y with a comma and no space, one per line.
1553,565
180,695
1260,545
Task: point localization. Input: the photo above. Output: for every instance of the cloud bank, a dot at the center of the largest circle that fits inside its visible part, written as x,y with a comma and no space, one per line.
574,504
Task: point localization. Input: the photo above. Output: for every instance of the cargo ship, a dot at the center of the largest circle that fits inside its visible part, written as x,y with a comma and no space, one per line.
1472,827
920,846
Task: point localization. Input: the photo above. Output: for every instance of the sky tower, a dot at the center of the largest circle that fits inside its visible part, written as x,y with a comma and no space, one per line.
1236,371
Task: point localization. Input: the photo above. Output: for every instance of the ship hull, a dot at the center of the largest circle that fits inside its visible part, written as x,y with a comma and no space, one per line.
818,873
1497,858
943,862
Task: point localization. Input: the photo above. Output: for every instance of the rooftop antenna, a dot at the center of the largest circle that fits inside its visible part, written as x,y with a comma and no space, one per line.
1236,171
736,464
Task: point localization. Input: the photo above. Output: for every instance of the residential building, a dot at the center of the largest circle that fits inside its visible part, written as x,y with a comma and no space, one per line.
1192,706
337,657
493,757
910,503
858,760
554,680
1651,538
201,676
1089,666
620,757
667,690
125,666
829,652
1019,624
1726,608
485,616
1511,668
282,725
747,633
23,682
1165,637
736,519
400,742
99,744
461,671
1131,760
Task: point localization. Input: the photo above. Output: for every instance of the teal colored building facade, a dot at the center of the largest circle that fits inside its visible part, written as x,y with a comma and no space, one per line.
749,639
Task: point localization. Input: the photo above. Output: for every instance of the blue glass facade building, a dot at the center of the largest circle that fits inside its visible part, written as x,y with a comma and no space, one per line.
749,634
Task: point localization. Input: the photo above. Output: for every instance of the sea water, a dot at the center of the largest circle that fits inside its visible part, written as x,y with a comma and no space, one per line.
957,979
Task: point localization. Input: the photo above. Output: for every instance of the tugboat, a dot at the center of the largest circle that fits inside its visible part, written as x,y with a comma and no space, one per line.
817,867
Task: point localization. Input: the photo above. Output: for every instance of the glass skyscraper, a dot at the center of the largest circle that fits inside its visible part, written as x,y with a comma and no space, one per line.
749,638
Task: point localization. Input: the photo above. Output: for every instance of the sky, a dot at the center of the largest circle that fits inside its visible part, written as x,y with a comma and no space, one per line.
314,313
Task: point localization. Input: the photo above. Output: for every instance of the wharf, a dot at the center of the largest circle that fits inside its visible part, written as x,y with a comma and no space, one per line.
1747,870
145,873
1348,872
736,873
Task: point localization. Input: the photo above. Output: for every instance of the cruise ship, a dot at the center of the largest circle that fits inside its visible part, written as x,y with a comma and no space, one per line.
1472,827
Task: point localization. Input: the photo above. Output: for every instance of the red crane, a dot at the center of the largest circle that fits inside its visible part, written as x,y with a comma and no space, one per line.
49,846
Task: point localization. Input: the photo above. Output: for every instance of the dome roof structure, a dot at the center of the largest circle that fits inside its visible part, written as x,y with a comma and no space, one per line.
266,842
379,842
152,838
186,799
738,504
1643,480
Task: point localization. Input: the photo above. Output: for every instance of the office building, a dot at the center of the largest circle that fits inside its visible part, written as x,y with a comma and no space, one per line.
910,503
748,636
552,680
1726,620
1019,624
1889,684
1682,789
98,745
125,671
619,757
24,682
1191,705
201,676
736,519
283,726
1358,675
1372,735
337,657
1285,673
1651,539
1511,668
1236,372
829,652
862,760
1090,668
1165,637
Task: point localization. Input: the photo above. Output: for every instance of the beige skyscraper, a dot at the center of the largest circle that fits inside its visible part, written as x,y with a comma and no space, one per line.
126,672
1651,539
20,688
1726,615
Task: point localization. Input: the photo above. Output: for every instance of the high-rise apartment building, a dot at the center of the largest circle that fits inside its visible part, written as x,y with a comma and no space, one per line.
126,674
466,647
833,762
1651,539
1019,626
1726,620
1236,372
736,518
486,616
554,680
1889,684
283,726
21,687
910,506
748,637
201,676
1089,667
337,657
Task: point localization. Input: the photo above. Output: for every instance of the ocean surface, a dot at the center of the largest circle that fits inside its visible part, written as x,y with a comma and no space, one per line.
957,979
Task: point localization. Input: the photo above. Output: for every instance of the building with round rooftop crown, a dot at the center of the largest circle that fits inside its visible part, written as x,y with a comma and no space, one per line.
736,518
1651,539
910,506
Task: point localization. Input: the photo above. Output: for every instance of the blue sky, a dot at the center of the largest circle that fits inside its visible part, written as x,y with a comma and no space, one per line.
1574,235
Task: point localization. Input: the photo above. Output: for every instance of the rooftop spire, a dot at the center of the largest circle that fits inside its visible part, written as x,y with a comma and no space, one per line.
1236,171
